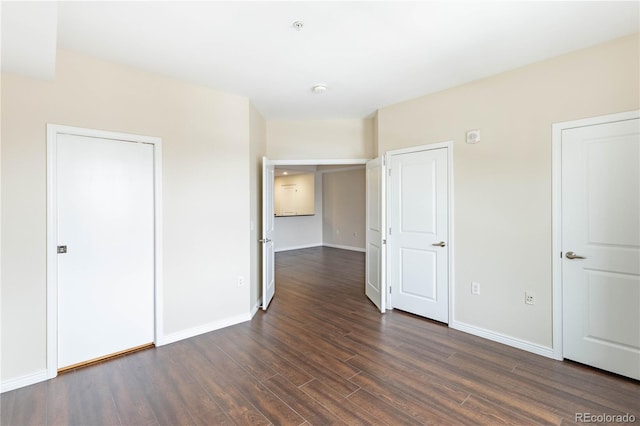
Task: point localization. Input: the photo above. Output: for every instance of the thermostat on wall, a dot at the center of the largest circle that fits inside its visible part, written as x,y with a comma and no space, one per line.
473,136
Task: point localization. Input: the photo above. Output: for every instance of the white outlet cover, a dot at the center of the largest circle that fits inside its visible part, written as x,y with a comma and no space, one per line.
529,298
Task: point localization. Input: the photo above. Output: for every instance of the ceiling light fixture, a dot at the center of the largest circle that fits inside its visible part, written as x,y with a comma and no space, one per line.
319,88
298,25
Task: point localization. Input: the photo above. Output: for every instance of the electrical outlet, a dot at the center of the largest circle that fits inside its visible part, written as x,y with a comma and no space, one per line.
475,288
240,281
529,298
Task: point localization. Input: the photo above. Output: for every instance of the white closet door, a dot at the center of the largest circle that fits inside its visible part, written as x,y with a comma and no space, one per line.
419,233
105,210
601,246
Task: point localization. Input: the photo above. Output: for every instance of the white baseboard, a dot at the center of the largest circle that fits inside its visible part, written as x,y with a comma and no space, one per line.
504,339
205,328
256,307
298,247
26,380
338,246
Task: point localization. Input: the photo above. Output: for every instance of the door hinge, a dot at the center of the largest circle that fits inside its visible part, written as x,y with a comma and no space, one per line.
389,231
384,241
560,255
384,160
389,290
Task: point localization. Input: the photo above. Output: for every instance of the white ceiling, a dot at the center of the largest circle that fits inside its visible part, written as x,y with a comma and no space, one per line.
369,54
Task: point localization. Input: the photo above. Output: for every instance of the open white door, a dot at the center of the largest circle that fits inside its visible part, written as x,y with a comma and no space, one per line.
375,287
268,256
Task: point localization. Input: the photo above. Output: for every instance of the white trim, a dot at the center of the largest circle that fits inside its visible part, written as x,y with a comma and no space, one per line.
427,147
52,264
450,244
53,130
205,328
342,169
339,246
22,381
556,209
158,291
256,307
319,162
388,303
451,235
556,240
304,246
503,338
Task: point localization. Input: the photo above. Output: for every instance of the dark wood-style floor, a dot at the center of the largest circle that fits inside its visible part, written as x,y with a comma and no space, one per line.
323,355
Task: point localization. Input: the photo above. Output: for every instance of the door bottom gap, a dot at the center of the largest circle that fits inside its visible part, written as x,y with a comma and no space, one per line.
105,358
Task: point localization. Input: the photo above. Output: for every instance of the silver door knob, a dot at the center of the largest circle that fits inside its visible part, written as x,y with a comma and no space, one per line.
266,240
440,244
572,255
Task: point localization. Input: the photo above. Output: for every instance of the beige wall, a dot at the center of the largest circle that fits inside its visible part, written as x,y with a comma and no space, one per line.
206,181
319,139
502,186
304,200
343,208
257,150
211,145
294,232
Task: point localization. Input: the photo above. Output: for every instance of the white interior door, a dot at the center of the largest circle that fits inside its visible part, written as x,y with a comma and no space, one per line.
105,221
419,232
375,288
601,246
268,255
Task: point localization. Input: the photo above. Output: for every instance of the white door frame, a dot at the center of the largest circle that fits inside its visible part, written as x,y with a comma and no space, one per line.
556,203
450,241
332,162
53,130
325,162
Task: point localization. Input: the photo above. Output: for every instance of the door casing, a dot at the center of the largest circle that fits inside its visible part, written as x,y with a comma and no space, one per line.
556,181
324,162
53,130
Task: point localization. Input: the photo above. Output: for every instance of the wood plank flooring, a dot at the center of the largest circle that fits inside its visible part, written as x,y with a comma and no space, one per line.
323,355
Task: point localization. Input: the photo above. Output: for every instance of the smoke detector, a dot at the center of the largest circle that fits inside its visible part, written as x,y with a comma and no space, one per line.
319,88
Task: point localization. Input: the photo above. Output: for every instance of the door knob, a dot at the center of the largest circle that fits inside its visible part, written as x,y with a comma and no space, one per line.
572,255
266,240
440,244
